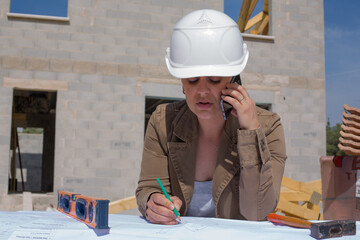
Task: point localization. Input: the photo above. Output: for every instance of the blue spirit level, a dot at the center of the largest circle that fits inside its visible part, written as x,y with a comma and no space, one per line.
92,211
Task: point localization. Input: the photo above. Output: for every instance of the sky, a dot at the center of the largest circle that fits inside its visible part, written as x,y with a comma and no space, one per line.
342,56
342,53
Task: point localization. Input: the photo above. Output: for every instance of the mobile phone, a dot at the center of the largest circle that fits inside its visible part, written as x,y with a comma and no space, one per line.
225,106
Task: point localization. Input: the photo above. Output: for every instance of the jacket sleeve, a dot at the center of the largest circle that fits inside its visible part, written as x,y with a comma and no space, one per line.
154,162
262,158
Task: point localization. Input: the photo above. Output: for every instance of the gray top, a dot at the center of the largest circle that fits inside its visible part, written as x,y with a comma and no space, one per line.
202,203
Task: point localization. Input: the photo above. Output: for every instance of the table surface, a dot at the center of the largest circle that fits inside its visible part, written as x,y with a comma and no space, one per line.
57,225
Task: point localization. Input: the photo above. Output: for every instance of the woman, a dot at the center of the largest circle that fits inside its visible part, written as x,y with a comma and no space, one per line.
210,166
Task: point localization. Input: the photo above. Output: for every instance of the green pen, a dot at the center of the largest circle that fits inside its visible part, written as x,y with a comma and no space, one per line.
167,196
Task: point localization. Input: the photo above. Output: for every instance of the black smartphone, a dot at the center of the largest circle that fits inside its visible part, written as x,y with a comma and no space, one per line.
225,106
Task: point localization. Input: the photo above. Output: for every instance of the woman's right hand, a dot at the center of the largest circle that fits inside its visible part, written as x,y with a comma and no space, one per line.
160,209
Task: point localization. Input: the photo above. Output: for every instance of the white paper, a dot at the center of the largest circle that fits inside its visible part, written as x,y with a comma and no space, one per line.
58,226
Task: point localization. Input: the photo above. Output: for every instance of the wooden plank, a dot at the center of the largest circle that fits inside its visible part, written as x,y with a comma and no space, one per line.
293,196
266,6
293,192
316,183
243,14
307,187
254,20
122,205
311,186
266,30
251,9
290,183
260,26
310,206
296,210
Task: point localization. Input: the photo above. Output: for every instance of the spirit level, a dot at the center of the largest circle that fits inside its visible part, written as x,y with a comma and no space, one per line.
92,211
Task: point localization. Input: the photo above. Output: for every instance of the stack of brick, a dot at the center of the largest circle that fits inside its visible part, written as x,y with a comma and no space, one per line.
350,133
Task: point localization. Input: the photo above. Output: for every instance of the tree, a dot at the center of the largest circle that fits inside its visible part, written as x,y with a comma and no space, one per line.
332,140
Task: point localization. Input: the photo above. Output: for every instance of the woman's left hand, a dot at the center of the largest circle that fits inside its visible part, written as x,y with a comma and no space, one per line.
244,108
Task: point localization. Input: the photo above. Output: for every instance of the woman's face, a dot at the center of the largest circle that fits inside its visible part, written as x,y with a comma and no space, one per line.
203,95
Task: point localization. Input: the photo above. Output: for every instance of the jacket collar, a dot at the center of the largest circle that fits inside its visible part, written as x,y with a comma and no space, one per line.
186,128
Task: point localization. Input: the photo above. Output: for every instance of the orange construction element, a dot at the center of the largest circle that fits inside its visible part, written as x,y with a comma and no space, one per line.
289,221
92,211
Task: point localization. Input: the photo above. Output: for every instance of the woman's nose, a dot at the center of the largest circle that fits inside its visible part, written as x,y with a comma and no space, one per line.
203,86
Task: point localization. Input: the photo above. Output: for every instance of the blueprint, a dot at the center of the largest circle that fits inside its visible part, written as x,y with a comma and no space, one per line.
57,225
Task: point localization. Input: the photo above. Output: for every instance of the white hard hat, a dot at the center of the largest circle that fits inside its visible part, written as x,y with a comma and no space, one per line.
206,43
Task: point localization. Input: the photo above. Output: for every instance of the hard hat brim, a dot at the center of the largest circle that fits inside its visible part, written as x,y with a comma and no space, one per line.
207,70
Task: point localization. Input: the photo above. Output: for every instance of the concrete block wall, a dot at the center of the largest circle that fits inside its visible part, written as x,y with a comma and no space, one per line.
111,55
292,66
104,54
5,131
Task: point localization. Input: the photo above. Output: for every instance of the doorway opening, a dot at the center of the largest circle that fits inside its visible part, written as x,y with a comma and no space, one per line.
32,141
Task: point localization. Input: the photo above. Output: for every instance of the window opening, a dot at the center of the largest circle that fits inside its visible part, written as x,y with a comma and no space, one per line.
266,106
252,16
40,9
151,103
32,141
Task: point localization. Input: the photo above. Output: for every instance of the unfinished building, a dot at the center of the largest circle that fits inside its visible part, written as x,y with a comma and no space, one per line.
76,90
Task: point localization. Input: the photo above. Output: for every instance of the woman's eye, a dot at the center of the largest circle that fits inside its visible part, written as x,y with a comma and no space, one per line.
193,80
215,80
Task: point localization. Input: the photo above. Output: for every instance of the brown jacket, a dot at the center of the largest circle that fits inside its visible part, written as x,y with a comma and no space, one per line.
249,170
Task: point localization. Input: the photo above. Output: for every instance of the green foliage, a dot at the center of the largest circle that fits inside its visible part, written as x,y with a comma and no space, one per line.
33,130
332,140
